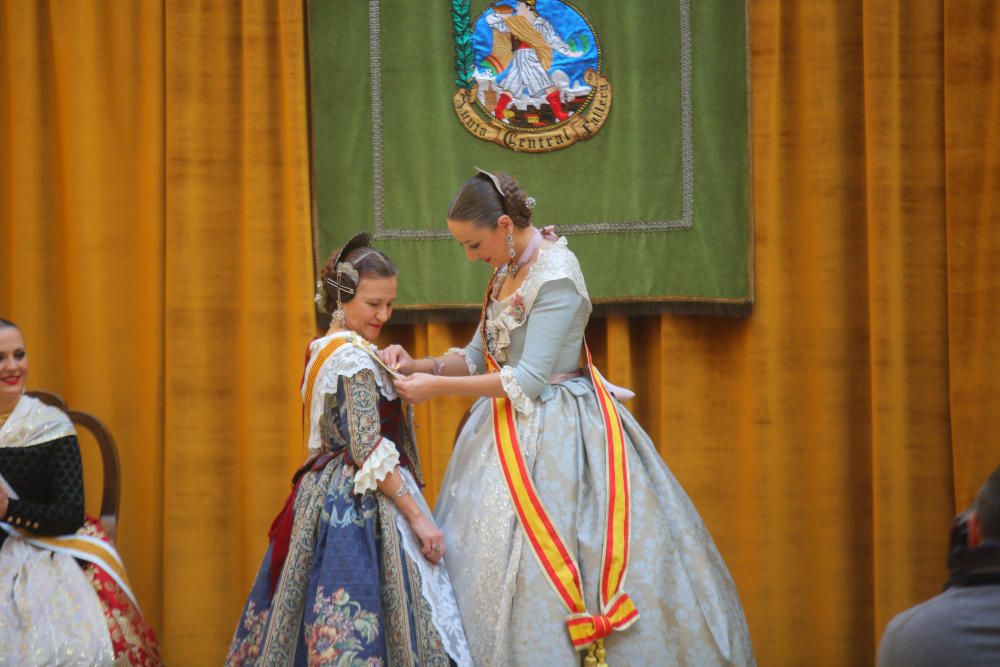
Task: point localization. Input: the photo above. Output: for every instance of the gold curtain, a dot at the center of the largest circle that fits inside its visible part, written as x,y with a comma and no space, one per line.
156,250
154,246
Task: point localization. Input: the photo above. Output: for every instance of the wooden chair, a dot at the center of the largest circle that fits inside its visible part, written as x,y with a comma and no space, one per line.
109,458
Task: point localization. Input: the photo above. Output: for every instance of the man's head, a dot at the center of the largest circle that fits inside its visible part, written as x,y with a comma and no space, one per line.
984,520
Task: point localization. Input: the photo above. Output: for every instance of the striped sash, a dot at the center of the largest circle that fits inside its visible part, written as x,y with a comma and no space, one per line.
312,372
617,611
83,547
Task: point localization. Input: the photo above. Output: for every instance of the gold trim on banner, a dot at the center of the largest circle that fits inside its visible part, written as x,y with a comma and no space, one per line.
580,126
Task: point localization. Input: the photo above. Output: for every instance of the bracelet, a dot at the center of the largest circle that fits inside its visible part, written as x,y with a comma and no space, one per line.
436,365
403,490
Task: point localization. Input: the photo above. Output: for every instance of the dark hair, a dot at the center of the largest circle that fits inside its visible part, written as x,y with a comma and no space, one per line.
367,261
478,201
7,324
987,507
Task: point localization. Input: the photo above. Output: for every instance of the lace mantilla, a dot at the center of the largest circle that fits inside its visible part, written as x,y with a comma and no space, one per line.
32,423
347,361
555,262
435,586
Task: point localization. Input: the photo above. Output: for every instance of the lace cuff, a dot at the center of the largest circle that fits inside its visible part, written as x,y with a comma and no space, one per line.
462,352
522,402
382,460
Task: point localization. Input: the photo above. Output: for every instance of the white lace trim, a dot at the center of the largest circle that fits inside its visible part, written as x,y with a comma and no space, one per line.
462,352
435,586
556,262
382,460
522,402
347,361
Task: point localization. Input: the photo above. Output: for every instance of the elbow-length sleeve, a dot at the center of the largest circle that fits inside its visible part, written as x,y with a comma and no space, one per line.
472,353
550,319
62,513
373,455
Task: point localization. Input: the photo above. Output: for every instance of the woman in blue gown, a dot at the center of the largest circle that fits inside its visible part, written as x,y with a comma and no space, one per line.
352,574
678,604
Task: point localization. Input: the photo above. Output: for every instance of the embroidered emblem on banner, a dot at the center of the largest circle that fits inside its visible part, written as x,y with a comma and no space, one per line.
529,74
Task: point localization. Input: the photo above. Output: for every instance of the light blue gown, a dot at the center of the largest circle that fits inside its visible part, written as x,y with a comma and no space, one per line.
690,612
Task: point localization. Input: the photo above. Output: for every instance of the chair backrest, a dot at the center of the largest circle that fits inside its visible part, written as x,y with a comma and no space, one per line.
109,458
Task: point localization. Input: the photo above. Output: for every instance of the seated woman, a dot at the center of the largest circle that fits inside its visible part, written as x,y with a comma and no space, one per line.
64,598
351,576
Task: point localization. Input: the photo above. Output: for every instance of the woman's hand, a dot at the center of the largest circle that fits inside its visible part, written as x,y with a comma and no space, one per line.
431,539
397,358
417,387
4,503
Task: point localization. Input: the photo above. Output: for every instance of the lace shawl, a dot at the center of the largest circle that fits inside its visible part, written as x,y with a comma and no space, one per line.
347,362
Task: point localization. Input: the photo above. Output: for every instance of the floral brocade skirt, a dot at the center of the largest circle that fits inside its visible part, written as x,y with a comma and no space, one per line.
353,590
689,610
56,610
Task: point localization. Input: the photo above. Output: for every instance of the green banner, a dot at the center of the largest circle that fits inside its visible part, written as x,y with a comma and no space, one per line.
655,204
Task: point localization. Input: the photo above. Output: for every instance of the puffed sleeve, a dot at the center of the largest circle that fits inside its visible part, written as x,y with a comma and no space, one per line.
472,353
63,512
552,316
373,455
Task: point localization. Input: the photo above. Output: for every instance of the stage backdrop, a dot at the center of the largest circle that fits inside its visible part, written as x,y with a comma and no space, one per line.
663,183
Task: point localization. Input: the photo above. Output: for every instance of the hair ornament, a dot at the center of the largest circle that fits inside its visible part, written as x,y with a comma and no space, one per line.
347,269
336,284
493,179
529,202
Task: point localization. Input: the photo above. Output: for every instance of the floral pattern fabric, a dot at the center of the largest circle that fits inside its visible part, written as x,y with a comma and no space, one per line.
132,638
690,611
340,631
347,594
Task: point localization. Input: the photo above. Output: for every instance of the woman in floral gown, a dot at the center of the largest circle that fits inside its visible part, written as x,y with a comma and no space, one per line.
554,493
351,576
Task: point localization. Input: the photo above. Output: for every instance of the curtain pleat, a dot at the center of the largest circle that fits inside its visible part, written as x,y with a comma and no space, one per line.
238,303
972,177
155,247
907,300
82,234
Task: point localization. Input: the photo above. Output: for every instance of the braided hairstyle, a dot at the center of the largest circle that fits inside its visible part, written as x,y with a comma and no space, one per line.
482,201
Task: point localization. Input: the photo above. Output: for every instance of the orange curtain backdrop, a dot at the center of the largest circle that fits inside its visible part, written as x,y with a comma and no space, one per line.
972,136
82,233
238,303
155,247
154,222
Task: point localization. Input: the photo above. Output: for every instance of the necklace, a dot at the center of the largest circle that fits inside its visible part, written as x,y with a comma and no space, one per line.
527,254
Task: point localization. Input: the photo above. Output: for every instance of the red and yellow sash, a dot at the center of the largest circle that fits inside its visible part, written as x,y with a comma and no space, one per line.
617,609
